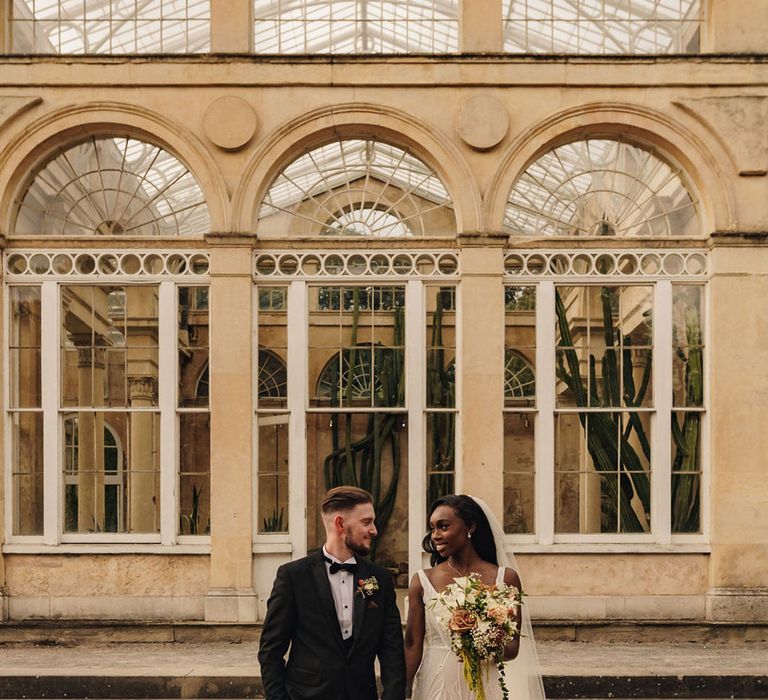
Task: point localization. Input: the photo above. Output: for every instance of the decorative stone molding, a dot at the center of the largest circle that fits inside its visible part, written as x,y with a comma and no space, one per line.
88,357
142,388
483,239
737,604
105,264
482,122
230,122
364,264
623,263
12,106
744,118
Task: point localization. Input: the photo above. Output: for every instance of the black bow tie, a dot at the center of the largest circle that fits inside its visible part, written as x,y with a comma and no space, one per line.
336,567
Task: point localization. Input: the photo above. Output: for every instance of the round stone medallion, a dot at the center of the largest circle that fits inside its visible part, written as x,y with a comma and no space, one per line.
482,121
230,122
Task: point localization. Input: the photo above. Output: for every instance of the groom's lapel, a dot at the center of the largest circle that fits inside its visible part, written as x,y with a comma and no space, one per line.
320,576
359,603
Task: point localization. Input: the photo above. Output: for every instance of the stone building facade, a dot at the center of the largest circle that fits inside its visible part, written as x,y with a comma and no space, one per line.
505,248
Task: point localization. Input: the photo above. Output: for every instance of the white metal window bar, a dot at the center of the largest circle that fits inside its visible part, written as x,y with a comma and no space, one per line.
602,26
110,26
355,26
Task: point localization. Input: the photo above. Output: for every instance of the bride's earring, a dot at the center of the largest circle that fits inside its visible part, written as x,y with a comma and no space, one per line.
469,535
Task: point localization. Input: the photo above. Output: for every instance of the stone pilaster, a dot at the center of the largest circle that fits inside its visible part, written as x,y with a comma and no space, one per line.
90,454
231,597
480,26
735,27
481,348
738,578
232,26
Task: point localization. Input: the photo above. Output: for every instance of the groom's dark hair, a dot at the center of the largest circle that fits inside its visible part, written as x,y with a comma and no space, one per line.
344,498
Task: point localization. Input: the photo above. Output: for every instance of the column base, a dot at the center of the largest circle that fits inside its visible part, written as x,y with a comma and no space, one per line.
231,605
737,605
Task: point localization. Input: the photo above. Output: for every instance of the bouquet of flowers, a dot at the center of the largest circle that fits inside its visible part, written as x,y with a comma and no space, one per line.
482,620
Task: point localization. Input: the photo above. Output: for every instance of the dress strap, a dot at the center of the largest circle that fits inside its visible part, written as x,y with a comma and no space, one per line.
500,575
426,585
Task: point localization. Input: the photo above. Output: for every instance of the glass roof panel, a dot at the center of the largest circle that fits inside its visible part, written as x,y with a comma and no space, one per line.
600,187
358,188
602,26
112,186
355,26
110,26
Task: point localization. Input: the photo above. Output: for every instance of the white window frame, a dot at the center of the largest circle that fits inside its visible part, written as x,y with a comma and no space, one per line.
544,538
54,539
414,408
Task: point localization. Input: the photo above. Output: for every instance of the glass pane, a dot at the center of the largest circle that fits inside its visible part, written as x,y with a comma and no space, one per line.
357,346
27,473
441,454
273,473
519,468
111,472
109,342
688,346
686,471
195,474
610,454
369,450
25,380
194,377
441,346
273,347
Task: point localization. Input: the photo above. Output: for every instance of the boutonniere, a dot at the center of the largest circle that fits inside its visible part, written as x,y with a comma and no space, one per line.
366,587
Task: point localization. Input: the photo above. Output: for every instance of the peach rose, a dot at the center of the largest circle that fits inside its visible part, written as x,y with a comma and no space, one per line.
498,614
462,620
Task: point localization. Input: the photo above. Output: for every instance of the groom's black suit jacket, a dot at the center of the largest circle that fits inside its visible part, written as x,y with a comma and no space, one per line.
301,613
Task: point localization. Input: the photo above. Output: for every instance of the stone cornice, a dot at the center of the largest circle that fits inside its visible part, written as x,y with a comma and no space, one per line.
218,239
738,239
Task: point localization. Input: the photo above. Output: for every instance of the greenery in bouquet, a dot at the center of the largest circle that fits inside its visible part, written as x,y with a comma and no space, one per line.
482,620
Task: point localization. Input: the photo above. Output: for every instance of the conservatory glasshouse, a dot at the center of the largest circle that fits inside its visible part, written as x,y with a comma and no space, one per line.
254,249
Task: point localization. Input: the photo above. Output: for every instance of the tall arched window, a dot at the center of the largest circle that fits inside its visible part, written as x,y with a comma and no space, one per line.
601,187
111,186
357,188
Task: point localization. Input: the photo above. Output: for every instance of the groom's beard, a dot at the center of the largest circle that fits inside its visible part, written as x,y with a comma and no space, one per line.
362,548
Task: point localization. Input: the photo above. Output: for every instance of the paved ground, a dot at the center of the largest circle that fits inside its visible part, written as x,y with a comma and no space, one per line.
230,670
228,659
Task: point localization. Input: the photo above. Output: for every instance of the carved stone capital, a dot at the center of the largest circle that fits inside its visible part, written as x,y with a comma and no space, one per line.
142,388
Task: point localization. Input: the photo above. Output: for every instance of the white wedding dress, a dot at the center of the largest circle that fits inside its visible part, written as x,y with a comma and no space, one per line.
441,674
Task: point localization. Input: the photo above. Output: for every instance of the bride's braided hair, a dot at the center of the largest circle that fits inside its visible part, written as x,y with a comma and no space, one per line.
473,516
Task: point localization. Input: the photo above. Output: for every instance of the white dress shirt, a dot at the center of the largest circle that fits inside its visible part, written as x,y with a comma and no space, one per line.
343,590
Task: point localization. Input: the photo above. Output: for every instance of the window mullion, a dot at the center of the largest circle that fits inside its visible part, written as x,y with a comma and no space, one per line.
167,401
298,354
415,382
52,472
545,401
661,467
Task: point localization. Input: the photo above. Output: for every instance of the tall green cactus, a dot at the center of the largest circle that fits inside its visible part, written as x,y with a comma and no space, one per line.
608,440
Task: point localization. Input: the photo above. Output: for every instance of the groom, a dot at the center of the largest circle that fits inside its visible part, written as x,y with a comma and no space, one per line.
337,612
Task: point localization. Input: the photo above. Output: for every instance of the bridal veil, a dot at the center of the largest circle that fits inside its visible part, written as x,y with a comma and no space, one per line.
523,674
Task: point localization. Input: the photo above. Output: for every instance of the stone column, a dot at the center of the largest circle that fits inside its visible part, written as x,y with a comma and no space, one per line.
90,444
738,576
3,379
142,393
232,26
481,351
735,27
480,26
231,597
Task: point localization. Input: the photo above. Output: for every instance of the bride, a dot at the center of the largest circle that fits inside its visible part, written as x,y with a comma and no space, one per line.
464,537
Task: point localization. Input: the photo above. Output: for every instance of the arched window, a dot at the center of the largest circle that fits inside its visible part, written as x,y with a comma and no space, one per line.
203,385
355,187
112,186
519,378
273,378
601,187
